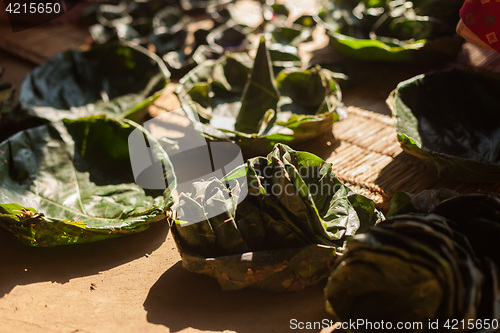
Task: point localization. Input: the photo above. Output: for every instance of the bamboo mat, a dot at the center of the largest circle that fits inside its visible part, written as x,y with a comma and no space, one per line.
366,156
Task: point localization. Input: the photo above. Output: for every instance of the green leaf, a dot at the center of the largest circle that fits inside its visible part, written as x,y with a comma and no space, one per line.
283,235
435,122
72,182
166,41
116,80
229,37
305,88
150,23
284,56
394,31
478,217
306,21
168,17
288,35
475,215
411,268
279,270
423,202
309,101
260,94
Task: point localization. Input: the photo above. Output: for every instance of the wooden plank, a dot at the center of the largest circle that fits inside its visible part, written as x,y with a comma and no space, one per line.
41,42
14,68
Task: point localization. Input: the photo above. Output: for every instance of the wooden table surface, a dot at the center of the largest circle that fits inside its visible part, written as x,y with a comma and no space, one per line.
136,283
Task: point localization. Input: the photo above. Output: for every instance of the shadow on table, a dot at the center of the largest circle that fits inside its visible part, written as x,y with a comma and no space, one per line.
409,174
22,265
181,299
406,173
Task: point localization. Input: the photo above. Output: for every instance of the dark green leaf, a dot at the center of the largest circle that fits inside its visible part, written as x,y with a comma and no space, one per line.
277,270
165,41
72,182
137,31
305,88
386,30
112,79
412,268
306,21
229,38
478,217
284,56
475,215
170,18
260,93
423,202
288,35
295,209
449,119
102,34
280,9
109,14
297,116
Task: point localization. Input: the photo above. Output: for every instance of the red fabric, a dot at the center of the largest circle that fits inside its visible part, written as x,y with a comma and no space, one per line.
482,17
